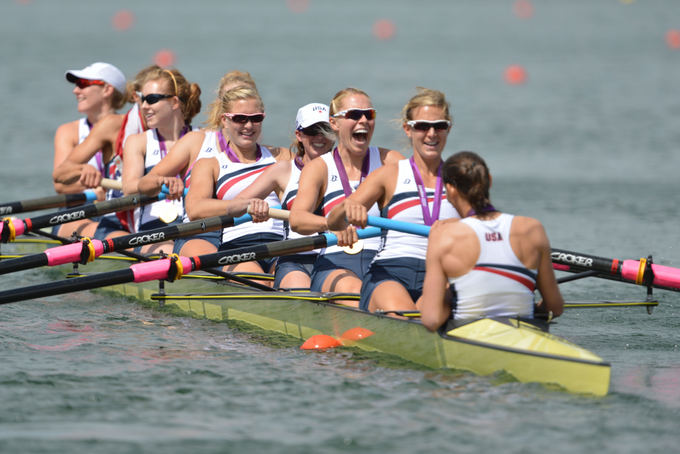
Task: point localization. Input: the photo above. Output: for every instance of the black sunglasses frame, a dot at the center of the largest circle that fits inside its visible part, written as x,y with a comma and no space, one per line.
153,98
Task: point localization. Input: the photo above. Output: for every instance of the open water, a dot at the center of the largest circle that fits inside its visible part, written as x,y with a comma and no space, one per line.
588,145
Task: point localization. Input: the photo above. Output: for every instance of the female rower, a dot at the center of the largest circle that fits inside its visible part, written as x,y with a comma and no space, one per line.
107,136
409,190
239,161
491,261
169,102
313,138
327,181
175,169
100,90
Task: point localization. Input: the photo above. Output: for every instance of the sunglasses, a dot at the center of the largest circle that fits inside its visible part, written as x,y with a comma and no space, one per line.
153,98
84,83
245,118
313,130
356,114
425,125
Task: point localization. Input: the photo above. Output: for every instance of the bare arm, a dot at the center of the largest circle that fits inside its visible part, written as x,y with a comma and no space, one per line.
390,156
200,201
65,140
310,192
546,282
434,309
134,155
75,168
175,163
354,209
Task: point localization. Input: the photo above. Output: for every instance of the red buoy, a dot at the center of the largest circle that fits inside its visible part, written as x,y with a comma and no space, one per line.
355,334
320,342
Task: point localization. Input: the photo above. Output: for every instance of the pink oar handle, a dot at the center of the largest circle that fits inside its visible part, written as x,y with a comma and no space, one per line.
19,226
157,269
70,253
663,275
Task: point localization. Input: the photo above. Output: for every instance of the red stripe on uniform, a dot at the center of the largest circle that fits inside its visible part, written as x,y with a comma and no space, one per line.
398,208
223,190
524,281
327,209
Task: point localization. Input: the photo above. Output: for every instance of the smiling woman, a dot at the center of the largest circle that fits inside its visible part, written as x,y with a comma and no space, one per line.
409,191
325,182
99,90
168,104
238,162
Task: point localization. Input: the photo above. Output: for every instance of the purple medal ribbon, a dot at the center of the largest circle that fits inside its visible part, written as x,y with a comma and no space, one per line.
161,140
230,153
422,193
365,167
486,209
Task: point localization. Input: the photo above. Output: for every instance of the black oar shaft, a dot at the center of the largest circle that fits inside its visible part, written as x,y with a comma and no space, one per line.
23,263
88,211
67,286
42,203
167,233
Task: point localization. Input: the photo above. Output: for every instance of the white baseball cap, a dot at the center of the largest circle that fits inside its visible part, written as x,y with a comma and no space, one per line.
310,114
99,71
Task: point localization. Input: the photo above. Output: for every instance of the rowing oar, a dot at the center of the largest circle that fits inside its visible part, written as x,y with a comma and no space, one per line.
87,250
43,203
56,201
174,267
641,272
10,228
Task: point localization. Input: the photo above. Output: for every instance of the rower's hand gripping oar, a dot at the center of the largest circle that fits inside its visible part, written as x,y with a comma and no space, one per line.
88,249
640,272
174,267
11,228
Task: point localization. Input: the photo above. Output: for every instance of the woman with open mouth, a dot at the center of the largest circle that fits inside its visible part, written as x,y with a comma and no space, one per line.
327,181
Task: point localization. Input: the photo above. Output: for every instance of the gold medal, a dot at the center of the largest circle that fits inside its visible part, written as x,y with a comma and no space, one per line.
355,248
167,212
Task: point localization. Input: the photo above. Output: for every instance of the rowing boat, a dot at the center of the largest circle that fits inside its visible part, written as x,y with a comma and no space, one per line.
486,346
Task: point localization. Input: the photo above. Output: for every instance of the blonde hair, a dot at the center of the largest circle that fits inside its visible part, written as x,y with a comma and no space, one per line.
224,101
426,97
336,102
237,79
187,93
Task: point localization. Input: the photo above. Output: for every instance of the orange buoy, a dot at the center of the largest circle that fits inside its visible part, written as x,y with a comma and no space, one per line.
164,58
123,20
320,342
355,334
523,9
515,75
673,39
297,6
384,29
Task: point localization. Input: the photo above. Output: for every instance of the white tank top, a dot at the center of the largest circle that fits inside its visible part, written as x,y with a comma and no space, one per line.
288,197
499,285
405,206
336,194
233,178
96,161
154,154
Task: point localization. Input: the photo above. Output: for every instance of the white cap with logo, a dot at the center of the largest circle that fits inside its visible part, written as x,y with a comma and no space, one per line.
99,71
310,114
